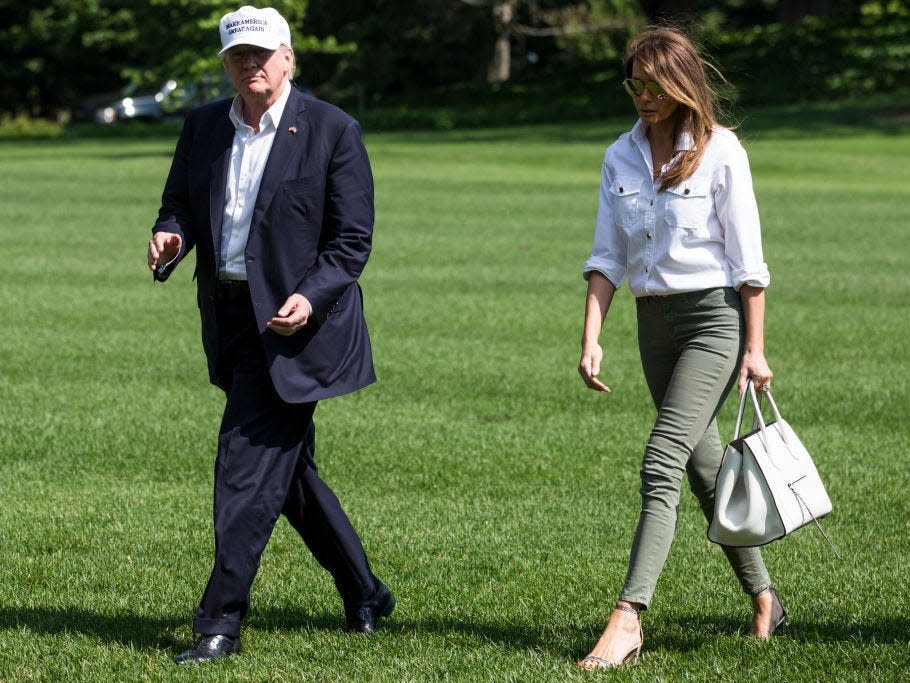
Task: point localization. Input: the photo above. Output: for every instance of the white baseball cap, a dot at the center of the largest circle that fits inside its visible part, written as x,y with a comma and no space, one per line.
251,26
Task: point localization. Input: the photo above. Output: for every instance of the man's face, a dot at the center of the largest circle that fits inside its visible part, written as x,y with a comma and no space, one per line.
257,73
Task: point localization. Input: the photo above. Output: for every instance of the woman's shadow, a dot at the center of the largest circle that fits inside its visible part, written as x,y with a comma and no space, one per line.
836,628
165,633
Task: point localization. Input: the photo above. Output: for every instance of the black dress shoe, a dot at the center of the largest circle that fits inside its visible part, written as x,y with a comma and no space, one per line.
209,649
363,617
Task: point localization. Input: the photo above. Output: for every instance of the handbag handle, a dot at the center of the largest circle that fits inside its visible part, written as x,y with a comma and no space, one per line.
742,409
750,391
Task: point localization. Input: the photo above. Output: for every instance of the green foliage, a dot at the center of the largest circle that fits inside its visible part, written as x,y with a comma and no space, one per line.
401,47
44,57
56,54
414,63
847,54
596,32
495,494
182,37
582,99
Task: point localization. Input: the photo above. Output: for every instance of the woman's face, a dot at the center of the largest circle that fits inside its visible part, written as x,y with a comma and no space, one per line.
651,110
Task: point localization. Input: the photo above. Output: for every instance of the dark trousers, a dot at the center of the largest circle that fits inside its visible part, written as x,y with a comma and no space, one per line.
265,467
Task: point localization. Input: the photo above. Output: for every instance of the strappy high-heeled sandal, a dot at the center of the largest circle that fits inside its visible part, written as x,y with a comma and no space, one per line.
778,617
630,658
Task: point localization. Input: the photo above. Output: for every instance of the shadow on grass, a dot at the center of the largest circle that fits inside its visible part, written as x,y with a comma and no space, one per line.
701,629
168,633
514,636
888,630
159,633
887,116
127,629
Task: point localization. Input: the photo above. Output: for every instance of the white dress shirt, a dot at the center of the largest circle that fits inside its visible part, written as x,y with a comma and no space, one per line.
703,233
249,152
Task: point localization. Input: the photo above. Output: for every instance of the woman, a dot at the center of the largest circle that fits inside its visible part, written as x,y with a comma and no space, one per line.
678,218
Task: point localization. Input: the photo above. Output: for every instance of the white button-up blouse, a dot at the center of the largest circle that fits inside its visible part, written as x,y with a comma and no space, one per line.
703,233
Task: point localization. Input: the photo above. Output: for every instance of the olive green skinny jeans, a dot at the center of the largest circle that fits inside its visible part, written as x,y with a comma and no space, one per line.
691,347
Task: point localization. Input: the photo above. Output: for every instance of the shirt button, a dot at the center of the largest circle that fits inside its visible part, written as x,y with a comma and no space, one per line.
686,191
649,235
621,190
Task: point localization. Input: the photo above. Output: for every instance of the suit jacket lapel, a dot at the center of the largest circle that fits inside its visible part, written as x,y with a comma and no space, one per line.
290,140
223,140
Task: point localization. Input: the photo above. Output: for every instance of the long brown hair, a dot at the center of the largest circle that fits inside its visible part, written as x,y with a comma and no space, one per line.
674,61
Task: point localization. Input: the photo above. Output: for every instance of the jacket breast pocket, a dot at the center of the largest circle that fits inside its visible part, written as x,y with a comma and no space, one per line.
689,204
298,195
625,193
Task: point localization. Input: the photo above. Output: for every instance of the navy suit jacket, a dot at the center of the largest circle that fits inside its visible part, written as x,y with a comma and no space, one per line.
311,233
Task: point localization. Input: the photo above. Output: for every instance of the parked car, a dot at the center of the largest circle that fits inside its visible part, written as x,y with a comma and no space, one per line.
147,105
171,100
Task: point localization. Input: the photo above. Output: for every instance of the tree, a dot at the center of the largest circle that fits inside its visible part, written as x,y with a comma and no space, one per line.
503,13
45,62
402,46
56,53
567,20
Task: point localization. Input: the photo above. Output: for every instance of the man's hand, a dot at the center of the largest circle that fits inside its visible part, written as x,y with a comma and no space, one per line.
163,248
291,317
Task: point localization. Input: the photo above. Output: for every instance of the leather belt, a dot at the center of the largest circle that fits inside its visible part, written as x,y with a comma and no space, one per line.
233,290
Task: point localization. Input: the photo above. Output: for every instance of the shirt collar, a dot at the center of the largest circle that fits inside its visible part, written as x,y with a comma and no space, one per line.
271,117
684,143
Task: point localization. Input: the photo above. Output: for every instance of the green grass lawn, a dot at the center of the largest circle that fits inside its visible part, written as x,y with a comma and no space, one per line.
496,495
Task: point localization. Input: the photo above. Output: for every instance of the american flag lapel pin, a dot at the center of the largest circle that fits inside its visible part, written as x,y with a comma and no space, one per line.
293,130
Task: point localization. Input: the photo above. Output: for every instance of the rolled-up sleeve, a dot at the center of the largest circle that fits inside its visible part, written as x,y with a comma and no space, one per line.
737,211
609,253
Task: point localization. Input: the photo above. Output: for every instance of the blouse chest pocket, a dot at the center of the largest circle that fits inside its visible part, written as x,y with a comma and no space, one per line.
626,195
689,204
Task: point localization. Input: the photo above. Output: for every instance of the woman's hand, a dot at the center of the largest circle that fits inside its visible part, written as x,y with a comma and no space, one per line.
755,366
589,367
597,303
754,363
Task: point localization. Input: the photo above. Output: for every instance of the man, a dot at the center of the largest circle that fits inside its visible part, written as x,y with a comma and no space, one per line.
275,192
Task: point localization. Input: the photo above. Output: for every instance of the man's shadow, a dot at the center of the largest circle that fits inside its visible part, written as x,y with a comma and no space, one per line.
125,629
163,633
171,633
519,637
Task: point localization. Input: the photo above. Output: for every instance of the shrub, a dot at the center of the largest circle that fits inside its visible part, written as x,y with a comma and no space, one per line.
22,126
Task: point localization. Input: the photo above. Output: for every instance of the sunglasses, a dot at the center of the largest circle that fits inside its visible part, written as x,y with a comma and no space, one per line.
636,87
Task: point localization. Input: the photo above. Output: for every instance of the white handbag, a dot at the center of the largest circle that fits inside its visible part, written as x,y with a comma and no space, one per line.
767,485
